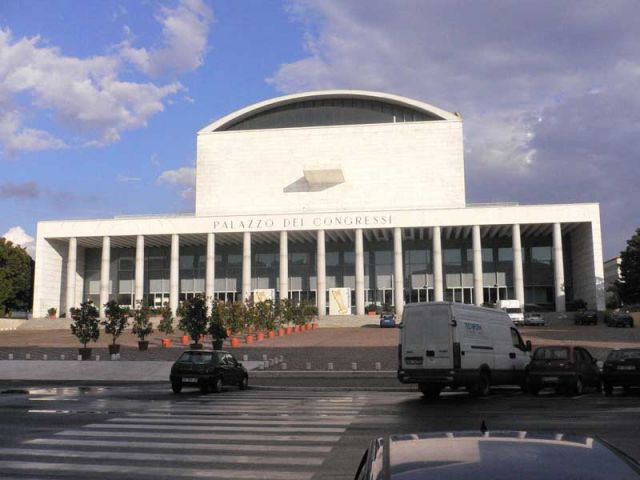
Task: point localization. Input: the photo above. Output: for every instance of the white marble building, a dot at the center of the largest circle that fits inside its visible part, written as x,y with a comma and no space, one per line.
319,190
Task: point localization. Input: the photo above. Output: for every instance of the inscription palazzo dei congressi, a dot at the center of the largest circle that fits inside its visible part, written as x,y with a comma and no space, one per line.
298,222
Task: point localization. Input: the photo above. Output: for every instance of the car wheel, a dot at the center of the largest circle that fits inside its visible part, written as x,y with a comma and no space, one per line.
578,387
204,387
482,386
176,386
430,391
217,385
244,383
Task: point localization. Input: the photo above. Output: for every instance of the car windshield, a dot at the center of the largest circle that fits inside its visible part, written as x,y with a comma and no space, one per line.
618,355
555,353
197,357
513,310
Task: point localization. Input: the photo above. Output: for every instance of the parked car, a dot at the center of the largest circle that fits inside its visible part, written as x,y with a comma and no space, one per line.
494,455
565,368
534,319
207,370
619,319
621,368
387,320
445,344
586,317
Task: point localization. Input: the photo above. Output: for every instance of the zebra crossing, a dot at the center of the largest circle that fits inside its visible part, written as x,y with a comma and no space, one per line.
235,435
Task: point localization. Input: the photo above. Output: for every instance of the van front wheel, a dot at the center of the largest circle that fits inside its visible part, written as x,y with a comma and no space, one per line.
429,390
482,387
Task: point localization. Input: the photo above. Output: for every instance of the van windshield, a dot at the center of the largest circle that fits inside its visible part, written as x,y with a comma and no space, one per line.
513,310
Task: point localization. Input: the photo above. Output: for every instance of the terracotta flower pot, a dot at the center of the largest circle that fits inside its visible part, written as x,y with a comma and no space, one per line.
166,342
372,314
271,334
184,340
259,336
235,342
281,332
288,330
248,338
314,325
296,328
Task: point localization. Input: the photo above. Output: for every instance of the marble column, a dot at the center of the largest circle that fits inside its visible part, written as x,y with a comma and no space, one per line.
438,284
558,268
478,290
246,266
283,289
518,275
105,266
71,274
209,281
321,286
174,274
359,271
139,271
398,278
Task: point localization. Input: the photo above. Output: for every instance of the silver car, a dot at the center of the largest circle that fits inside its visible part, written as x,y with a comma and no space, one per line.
534,320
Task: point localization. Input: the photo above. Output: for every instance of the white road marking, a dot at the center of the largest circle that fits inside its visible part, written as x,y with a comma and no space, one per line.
203,436
209,428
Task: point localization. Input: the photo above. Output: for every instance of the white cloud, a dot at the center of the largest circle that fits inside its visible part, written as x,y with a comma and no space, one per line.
184,178
185,30
84,94
18,236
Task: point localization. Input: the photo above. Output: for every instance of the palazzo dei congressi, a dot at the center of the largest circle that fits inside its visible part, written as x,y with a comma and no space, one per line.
342,198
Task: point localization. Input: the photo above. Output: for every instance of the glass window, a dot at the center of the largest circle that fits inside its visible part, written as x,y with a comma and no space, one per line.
552,353
125,263
452,256
516,339
505,254
332,259
541,254
300,258
349,258
487,254
234,259
383,257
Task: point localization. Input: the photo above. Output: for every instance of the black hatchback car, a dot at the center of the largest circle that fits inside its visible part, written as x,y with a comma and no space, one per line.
619,319
494,456
621,368
565,368
207,370
586,317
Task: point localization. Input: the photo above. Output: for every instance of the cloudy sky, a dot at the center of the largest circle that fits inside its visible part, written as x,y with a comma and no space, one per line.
100,100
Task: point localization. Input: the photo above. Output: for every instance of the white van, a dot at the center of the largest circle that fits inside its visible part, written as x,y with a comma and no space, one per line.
514,309
444,344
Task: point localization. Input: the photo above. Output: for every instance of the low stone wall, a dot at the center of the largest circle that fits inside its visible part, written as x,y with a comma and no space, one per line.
333,321
10,323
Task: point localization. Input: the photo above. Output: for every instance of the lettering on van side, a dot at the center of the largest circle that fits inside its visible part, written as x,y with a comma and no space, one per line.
473,328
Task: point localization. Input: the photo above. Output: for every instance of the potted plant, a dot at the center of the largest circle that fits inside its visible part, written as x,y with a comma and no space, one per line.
372,310
85,326
216,327
184,339
195,319
236,321
142,327
115,321
166,324
52,313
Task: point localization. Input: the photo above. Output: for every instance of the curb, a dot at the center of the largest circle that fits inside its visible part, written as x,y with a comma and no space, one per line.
324,374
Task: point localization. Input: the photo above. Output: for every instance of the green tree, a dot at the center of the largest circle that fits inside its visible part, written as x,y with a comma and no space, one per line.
628,286
85,324
116,319
216,326
141,324
195,317
166,324
16,277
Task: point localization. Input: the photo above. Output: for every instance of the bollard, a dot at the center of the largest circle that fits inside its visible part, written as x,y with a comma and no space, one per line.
97,358
308,365
264,357
281,358
27,356
114,357
378,366
272,362
79,357
11,356
261,366
283,365
265,364
44,357
245,358
330,366
62,357
354,366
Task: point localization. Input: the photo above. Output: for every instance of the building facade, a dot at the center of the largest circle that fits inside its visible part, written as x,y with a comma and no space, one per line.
306,193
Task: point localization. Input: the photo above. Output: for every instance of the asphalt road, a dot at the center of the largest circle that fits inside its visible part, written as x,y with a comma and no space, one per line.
145,431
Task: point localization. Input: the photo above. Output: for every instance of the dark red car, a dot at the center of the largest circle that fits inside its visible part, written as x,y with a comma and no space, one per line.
565,368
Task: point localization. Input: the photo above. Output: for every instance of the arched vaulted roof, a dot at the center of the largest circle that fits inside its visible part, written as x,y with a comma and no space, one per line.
329,107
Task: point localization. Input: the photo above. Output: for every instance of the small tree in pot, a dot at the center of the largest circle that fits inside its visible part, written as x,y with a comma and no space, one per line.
52,313
166,324
115,322
195,319
85,326
216,326
141,325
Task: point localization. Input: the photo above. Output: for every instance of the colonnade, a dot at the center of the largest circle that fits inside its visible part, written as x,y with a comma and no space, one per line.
283,286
